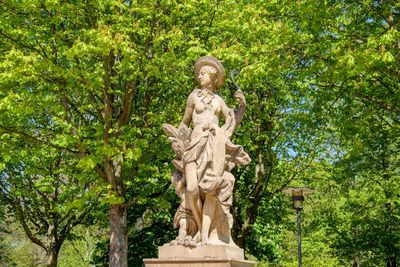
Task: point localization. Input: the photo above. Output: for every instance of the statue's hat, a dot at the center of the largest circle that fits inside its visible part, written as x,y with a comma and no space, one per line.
212,62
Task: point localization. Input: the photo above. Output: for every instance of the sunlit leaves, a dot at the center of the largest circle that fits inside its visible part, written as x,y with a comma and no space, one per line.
320,79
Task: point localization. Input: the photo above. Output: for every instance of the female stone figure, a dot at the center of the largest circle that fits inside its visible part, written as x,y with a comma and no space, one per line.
205,155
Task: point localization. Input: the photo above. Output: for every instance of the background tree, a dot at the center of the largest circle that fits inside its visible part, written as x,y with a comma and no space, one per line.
44,193
353,78
90,74
4,258
97,79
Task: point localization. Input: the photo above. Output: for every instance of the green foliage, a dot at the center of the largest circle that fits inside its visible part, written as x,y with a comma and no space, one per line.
90,84
4,258
19,250
78,251
44,191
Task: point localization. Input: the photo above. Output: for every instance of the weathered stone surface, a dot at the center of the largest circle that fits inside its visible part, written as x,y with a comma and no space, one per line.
197,263
202,178
205,156
200,256
201,252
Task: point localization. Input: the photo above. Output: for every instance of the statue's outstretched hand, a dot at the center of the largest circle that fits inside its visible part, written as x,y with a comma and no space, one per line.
239,96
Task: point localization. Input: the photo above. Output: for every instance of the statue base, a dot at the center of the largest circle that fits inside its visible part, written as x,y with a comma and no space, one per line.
201,256
197,263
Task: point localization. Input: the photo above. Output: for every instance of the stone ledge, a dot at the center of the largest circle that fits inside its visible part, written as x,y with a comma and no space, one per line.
197,263
220,252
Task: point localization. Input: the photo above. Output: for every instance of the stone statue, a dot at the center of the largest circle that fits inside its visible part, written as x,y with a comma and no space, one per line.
205,156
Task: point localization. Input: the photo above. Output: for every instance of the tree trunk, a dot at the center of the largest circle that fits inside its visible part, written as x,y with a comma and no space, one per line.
52,257
53,246
391,261
118,236
356,262
236,213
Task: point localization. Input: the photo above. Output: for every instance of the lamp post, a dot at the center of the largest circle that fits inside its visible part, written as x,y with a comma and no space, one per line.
298,199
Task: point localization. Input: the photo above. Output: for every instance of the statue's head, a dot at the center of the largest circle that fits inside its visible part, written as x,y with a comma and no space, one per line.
208,67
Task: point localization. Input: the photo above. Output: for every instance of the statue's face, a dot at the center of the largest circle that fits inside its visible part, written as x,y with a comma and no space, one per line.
204,78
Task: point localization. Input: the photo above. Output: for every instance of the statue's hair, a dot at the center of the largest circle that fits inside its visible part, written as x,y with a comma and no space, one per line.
210,69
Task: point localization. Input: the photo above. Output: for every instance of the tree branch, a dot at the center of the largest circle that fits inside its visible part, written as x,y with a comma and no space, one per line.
379,102
28,137
130,92
32,237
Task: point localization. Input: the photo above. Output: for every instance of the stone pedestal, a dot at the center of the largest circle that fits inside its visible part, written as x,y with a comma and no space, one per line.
201,256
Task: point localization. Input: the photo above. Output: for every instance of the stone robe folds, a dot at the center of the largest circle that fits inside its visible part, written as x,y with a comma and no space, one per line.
201,150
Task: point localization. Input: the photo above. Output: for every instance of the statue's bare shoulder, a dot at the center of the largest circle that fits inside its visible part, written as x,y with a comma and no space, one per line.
192,97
